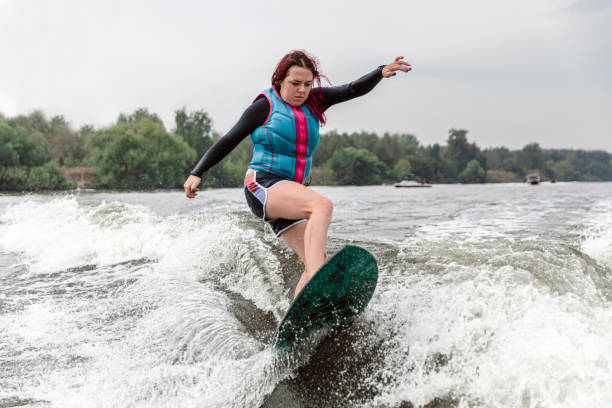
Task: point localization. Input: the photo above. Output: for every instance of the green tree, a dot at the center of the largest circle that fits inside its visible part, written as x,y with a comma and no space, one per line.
363,140
13,178
139,115
473,173
457,154
392,147
426,166
18,147
195,128
141,155
564,170
598,171
57,121
47,177
598,165
35,122
511,164
350,165
329,143
433,151
495,157
25,160
531,157
402,169
67,146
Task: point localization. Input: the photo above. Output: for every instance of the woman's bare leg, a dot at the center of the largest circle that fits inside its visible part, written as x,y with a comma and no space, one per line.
291,200
294,237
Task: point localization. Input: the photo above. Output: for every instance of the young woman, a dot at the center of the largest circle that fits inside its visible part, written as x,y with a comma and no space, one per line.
284,123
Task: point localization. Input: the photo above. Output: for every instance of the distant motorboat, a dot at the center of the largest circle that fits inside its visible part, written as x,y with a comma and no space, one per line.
533,178
411,183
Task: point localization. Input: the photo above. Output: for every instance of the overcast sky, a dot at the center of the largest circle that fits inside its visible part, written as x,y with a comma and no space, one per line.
510,72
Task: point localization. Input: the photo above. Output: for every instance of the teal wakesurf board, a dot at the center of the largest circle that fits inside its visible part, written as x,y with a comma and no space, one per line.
339,290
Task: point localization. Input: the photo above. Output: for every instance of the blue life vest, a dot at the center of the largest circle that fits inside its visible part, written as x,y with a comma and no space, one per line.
284,144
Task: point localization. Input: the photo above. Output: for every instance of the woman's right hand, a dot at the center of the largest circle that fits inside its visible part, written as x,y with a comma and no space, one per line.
191,186
397,65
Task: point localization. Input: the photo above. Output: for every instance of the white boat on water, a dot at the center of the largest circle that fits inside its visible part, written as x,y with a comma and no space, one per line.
533,179
411,183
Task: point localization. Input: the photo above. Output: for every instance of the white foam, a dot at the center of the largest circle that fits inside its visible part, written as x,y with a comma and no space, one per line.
483,308
142,318
597,237
61,234
189,348
485,337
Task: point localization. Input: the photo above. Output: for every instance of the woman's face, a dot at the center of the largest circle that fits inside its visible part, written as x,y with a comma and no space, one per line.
296,86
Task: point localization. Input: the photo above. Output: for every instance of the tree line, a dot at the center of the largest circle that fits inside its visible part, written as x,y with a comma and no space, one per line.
138,152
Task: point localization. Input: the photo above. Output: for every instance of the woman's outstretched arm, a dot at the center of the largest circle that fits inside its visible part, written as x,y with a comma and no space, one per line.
337,94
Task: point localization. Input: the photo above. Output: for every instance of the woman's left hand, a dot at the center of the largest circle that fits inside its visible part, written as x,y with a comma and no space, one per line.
398,65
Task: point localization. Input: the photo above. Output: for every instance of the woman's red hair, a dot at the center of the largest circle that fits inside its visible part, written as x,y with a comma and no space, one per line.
300,58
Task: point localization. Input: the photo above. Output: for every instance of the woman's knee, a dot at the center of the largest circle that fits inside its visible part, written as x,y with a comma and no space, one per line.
325,206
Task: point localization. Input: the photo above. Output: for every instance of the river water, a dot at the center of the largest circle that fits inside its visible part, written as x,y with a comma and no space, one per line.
488,296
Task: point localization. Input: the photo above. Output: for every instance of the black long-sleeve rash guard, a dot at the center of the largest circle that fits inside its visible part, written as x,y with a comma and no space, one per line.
256,114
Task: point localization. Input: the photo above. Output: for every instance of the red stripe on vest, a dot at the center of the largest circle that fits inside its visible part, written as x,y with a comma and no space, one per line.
301,143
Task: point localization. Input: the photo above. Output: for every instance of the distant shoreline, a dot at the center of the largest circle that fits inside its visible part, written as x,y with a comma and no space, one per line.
177,190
